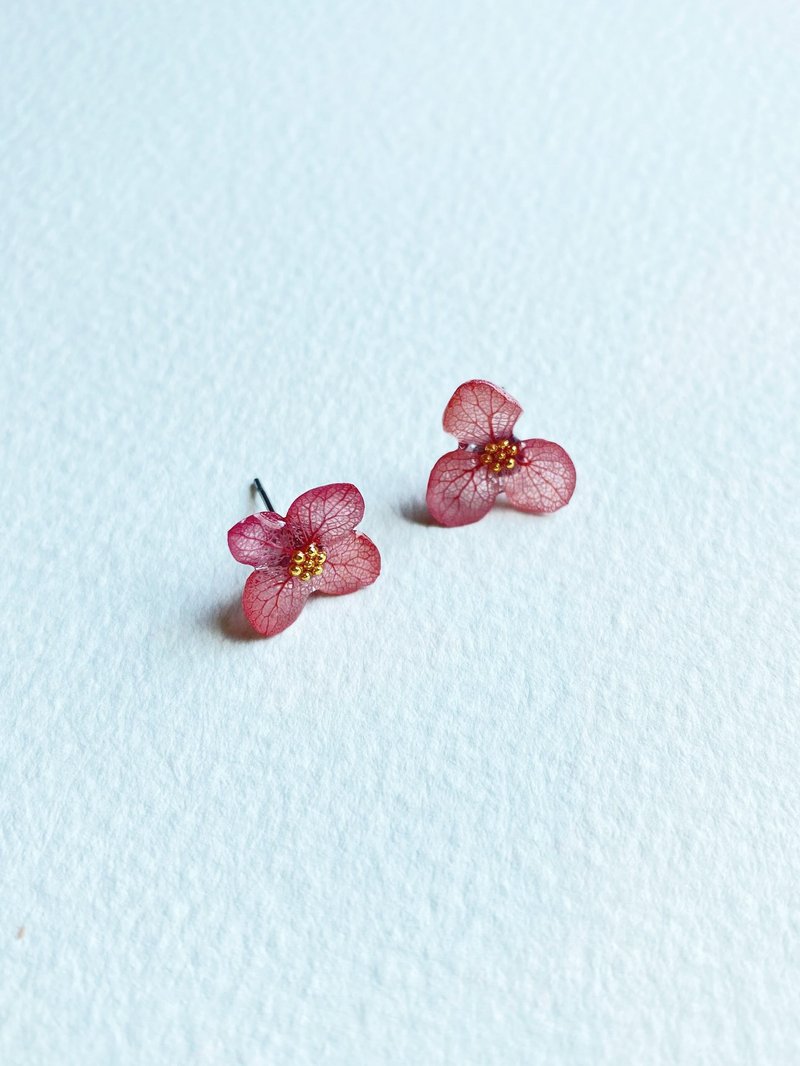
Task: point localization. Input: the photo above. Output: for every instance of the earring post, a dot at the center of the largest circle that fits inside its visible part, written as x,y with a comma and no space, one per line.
260,490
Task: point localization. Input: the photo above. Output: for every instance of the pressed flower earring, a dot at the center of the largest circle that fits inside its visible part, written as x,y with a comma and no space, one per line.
537,476
315,548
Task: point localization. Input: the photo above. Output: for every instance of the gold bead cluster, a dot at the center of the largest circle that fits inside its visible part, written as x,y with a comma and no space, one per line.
309,563
500,455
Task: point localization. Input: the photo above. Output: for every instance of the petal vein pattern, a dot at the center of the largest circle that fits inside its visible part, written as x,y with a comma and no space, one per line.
272,600
544,480
461,490
353,563
326,512
259,540
479,412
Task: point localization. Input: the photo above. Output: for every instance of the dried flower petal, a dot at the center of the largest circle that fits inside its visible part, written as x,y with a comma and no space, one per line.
479,412
544,479
353,563
272,600
259,540
461,489
322,514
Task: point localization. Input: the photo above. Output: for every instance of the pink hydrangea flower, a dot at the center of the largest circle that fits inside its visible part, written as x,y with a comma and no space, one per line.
315,548
536,475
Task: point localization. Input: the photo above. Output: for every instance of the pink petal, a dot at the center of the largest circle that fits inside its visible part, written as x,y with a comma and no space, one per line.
272,600
323,514
461,489
259,540
480,412
353,563
544,479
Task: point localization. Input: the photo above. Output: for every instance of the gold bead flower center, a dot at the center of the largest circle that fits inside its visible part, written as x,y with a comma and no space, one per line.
500,455
308,563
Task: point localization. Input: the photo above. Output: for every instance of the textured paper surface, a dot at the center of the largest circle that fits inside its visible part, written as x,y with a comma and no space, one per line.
531,798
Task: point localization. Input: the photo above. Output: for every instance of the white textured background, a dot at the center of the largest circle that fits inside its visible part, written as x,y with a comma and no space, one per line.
531,798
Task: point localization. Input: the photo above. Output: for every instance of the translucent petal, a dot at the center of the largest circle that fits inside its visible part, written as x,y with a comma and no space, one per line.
259,540
544,479
461,489
325,513
479,412
353,563
272,600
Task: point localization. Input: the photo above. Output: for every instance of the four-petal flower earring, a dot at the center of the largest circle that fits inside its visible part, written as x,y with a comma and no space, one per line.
315,548
537,476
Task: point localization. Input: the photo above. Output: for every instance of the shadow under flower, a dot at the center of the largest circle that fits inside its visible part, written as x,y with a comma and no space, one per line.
416,511
229,620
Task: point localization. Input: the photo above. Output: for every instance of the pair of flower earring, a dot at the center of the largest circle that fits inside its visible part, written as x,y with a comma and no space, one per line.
316,547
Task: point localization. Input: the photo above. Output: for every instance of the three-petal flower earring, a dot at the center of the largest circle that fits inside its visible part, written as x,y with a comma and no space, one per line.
315,548
537,476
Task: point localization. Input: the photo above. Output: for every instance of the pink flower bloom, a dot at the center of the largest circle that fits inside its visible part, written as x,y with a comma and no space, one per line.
536,475
315,548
